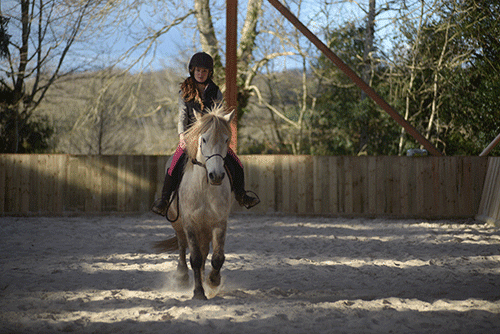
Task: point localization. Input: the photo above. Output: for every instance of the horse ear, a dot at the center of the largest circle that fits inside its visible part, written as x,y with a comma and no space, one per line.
229,117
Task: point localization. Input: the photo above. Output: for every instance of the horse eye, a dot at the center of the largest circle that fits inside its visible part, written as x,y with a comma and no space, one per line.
204,140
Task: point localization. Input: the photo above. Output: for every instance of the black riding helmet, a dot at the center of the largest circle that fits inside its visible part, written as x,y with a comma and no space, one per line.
203,60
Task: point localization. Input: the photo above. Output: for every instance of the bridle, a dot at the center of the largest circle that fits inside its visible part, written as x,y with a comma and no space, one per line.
197,163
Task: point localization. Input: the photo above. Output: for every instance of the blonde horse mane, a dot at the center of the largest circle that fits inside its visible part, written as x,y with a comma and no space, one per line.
213,121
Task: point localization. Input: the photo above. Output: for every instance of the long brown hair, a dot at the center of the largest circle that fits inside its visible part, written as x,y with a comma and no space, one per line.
190,92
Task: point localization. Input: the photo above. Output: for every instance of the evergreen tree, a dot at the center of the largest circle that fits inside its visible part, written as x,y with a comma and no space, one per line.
345,123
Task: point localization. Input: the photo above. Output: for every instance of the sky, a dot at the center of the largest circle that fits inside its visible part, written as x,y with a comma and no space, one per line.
174,41
174,48
171,46
113,42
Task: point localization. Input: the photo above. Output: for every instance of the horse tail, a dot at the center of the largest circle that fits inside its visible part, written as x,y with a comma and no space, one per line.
166,246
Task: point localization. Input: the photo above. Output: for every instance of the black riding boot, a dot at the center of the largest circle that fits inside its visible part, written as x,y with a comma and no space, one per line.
244,198
171,183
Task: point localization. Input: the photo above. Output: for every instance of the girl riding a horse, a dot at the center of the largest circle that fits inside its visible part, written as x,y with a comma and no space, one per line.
198,92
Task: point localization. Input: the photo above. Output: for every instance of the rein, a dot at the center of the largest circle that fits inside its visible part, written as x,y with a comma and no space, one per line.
174,195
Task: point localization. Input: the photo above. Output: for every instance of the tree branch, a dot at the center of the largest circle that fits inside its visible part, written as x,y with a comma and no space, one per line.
273,109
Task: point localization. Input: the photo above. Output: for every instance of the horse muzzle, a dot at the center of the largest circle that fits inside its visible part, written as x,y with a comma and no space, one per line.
216,179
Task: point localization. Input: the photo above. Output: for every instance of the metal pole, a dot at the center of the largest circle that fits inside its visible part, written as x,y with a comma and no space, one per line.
231,66
491,146
354,77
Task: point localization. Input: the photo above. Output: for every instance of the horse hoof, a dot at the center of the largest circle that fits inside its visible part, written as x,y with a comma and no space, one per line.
199,293
214,280
182,277
199,296
183,283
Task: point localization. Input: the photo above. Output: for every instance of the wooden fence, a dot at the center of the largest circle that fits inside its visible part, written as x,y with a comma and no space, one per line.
429,187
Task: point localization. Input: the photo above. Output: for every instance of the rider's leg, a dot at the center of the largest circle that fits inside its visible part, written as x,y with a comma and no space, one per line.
172,179
235,167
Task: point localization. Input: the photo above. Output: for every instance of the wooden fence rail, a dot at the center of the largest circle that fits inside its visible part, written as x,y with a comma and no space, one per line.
429,187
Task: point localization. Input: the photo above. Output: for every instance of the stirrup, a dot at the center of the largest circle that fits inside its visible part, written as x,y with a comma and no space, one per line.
160,207
255,199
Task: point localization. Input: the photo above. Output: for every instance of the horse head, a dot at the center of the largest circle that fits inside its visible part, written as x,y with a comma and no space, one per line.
207,142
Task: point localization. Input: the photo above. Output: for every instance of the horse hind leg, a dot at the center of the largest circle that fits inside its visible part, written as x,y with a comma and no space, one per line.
218,258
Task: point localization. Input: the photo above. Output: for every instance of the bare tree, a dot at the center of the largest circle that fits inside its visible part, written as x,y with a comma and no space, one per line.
259,44
112,112
289,114
426,55
43,34
413,55
369,44
56,38
4,36
247,66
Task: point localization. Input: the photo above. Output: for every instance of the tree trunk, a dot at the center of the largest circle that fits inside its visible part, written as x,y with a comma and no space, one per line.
435,86
245,51
368,47
412,75
249,34
208,40
367,67
19,83
246,46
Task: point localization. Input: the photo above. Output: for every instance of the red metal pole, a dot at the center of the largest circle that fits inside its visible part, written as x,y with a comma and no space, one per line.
354,77
231,65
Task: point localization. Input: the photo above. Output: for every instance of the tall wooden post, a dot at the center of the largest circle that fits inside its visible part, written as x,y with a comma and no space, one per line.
231,65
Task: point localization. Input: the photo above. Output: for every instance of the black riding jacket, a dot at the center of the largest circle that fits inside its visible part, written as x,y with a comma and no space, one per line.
211,96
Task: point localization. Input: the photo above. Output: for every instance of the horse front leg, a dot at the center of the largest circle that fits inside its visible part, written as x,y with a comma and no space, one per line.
218,258
182,273
196,259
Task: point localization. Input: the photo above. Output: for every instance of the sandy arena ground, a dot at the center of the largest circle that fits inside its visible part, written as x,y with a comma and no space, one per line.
282,275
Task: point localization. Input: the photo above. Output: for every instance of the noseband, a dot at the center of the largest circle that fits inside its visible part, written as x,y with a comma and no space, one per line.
196,162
